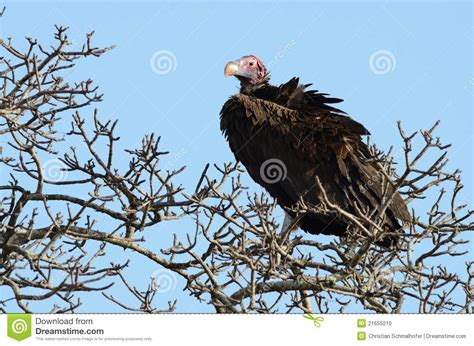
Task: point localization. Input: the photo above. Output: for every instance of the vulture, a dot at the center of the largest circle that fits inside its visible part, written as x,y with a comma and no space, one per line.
297,145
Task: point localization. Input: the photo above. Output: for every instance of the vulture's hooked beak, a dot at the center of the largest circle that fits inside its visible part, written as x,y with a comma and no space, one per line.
231,69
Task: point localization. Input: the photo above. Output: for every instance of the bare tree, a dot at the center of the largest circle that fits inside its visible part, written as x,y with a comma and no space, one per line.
63,211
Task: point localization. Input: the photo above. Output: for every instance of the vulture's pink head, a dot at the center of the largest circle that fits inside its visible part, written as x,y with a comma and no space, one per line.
249,70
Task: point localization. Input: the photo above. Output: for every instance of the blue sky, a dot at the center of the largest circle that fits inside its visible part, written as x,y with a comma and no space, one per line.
337,46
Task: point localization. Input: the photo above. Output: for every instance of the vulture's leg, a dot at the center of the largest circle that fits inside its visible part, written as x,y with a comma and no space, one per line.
286,223
286,228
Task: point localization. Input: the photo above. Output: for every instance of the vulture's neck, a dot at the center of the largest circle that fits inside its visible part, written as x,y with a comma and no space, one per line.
250,89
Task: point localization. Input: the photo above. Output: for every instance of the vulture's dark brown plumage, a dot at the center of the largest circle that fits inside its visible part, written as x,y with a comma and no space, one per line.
300,128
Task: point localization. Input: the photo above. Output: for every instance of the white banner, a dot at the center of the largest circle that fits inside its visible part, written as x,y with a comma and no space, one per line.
209,329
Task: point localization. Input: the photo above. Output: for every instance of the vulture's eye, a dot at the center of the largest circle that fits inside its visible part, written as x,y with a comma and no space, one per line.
251,63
